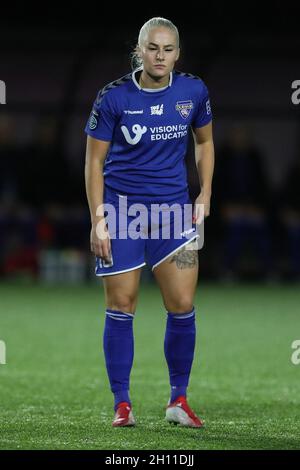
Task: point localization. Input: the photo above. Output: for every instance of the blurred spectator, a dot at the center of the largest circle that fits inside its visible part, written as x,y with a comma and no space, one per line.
20,255
9,160
242,196
44,170
290,218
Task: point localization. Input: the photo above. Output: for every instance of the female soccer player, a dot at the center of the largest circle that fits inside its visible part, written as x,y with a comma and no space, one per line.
136,144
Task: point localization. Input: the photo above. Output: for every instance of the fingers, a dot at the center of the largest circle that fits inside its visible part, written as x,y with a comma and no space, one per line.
100,241
105,245
200,211
102,249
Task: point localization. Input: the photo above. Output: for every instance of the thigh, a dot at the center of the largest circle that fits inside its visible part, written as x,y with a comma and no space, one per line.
121,290
177,278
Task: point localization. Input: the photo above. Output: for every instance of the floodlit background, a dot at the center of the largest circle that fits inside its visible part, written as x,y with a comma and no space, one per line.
53,62
53,68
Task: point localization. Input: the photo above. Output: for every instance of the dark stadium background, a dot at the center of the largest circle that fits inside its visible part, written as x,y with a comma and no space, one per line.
54,61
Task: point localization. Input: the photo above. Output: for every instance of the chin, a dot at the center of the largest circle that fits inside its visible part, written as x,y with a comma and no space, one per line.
160,73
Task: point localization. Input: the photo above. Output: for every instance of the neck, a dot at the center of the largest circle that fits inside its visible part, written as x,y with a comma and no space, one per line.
146,81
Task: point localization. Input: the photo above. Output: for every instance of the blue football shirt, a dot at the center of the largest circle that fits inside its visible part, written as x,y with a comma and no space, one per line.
148,131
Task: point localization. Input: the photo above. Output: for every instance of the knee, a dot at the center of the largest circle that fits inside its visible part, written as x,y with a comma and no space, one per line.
122,303
182,305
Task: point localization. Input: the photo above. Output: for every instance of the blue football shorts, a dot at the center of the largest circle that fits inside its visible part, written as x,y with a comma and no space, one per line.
144,233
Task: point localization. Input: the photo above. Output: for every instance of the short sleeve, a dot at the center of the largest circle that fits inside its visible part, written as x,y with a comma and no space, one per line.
102,120
203,114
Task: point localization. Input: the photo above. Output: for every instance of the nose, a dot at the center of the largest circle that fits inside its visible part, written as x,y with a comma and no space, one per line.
160,55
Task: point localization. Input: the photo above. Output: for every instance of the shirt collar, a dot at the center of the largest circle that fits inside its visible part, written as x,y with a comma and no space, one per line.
151,90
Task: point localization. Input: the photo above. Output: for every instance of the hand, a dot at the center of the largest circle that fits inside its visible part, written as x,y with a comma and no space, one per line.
100,241
202,208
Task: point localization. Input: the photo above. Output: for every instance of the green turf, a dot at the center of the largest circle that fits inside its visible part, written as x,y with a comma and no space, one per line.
54,392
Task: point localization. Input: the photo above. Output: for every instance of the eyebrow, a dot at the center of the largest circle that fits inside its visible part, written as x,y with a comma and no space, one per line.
156,45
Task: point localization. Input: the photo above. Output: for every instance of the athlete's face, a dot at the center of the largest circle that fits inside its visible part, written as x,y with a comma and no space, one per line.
159,52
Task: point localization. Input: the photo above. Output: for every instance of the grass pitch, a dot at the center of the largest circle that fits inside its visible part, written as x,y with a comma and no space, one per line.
54,391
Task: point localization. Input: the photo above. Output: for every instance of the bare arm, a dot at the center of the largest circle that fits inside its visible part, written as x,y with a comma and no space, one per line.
96,151
205,158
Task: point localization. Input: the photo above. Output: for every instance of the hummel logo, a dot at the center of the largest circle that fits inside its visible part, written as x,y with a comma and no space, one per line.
158,109
187,232
128,111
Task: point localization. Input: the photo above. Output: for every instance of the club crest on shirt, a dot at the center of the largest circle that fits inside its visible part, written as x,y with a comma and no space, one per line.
184,108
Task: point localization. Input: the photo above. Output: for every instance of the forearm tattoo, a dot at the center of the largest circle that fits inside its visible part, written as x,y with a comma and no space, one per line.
185,258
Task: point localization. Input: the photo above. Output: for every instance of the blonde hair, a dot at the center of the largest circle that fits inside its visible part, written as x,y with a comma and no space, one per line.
155,22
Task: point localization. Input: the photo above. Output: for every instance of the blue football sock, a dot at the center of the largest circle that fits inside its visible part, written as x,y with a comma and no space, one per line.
179,347
118,344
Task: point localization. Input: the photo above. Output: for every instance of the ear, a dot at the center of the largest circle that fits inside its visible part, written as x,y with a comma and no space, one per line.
178,54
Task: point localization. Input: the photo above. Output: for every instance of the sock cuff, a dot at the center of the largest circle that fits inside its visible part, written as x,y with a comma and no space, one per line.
182,316
118,315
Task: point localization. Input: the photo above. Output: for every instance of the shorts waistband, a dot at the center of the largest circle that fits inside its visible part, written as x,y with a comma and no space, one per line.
113,196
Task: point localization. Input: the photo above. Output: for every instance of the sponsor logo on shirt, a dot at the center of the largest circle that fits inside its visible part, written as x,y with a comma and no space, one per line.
137,130
158,109
138,111
184,108
175,131
187,232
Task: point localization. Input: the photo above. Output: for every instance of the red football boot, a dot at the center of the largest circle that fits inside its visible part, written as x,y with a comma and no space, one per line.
179,412
123,416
